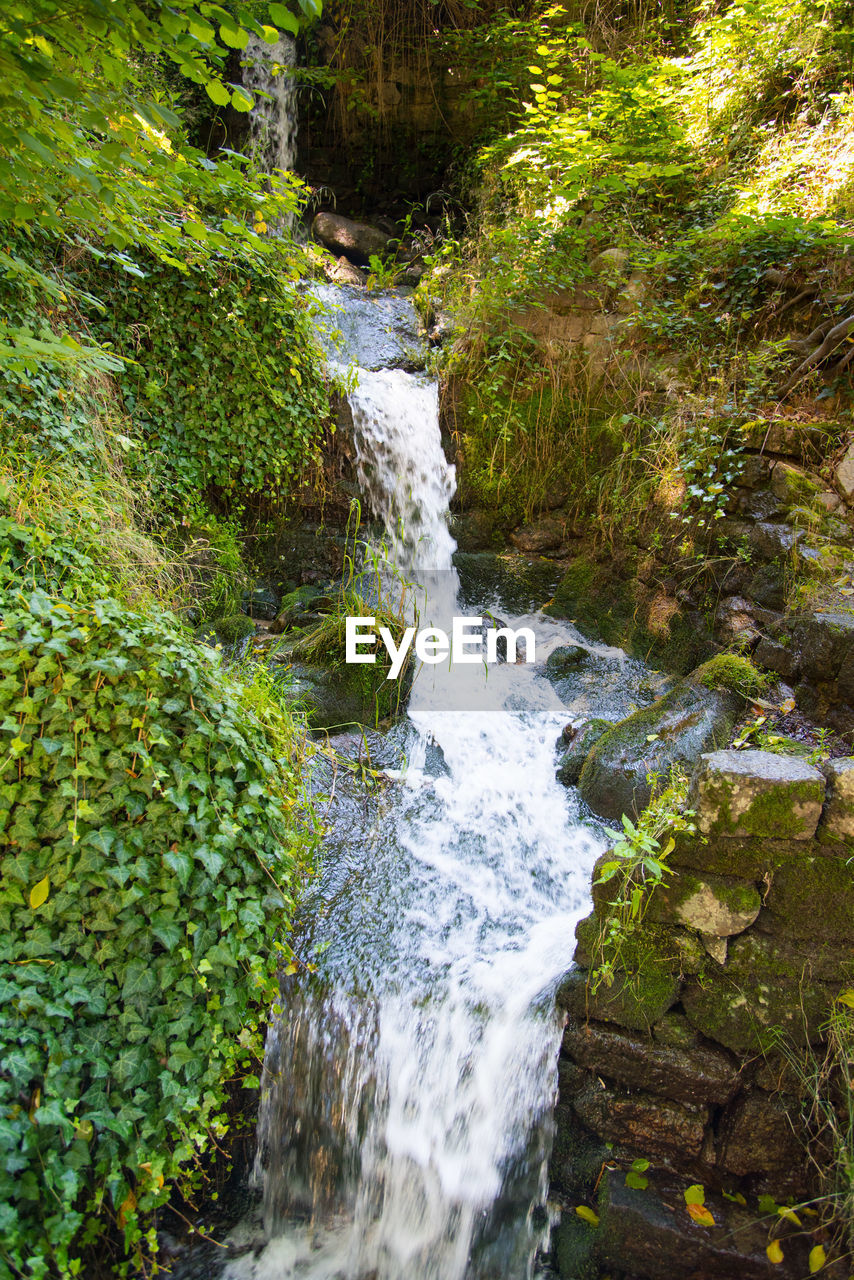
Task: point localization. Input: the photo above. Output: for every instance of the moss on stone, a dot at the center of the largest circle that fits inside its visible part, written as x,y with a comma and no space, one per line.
733,672
622,612
813,897
234,628
634,1000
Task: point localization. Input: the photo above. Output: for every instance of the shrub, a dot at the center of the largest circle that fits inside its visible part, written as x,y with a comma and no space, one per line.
148,847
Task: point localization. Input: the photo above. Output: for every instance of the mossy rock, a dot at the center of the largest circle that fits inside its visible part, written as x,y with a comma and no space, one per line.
813,897
757,793
740,856
622,612
710,904
334,698
635,1000
574,1248
733,673
235,628
746,1012
572,759
676,730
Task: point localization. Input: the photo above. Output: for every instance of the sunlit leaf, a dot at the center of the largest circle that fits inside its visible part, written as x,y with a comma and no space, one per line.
701,1215
39,893
817,1258
587,1215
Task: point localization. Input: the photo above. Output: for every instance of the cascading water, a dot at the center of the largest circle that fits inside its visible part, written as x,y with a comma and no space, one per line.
405,1118
268,75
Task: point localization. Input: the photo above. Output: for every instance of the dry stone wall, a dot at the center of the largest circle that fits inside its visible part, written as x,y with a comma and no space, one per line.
680,1061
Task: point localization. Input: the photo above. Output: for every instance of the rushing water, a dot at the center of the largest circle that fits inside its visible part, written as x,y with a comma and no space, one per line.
405,1122
267,74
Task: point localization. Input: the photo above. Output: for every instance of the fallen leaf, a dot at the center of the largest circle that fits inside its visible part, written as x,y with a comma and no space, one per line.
700,1214
817,1259
587,1215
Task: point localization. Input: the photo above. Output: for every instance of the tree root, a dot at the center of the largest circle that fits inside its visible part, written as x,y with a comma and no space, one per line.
832,338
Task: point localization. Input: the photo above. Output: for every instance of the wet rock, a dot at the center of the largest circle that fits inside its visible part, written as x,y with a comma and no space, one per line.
634,1000
355,239
649,1233
687,721
543,535
838,817
473,531
757,793
261,603
696,1074
585,737
757,504
756,1137
711,904
660,1127
773,541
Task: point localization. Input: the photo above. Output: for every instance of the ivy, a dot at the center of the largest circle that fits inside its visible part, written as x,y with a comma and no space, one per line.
225,380
149,845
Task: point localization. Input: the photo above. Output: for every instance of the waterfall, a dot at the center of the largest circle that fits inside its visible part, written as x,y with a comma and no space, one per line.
405,1120
268,75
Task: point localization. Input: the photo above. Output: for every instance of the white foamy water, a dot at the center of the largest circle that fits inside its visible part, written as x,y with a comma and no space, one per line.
408,1088
268,75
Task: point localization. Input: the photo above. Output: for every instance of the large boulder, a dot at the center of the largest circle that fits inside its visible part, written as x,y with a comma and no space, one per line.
688,721
354,239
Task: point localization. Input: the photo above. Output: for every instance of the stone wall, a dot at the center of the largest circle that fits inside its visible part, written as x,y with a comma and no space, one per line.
679,1061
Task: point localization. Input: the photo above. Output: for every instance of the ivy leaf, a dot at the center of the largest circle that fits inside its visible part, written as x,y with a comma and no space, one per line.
39,893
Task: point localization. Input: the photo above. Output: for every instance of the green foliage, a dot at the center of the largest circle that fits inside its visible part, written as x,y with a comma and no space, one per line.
150,843
225,380
636,865
92,147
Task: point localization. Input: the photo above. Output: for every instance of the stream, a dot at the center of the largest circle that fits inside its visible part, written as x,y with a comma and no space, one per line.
405,1117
